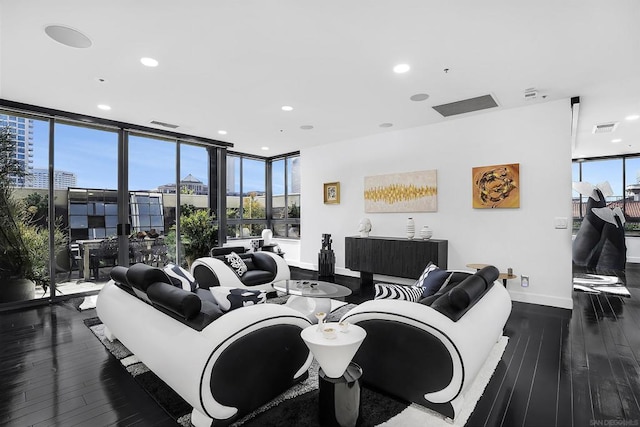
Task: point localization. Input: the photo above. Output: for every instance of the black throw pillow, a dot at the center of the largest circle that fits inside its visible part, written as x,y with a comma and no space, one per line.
467,292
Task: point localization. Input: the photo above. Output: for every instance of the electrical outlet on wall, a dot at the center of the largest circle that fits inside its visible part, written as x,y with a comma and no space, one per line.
524,281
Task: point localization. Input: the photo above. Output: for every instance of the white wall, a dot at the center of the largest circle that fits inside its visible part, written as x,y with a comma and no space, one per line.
537,137
633,249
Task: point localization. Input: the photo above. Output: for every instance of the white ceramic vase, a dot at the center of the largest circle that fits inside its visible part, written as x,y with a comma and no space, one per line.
267,235
411,228
426,232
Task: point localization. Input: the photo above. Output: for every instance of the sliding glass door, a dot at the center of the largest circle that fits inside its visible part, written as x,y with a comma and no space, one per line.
152,202
86,186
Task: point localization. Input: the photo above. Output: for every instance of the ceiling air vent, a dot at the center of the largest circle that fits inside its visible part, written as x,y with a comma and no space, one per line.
605,127
163,124
530,94
466,106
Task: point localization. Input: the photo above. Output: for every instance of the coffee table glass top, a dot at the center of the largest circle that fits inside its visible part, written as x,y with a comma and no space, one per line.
311,288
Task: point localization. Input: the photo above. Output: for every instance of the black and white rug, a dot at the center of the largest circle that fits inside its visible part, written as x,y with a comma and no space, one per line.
600,284
298,405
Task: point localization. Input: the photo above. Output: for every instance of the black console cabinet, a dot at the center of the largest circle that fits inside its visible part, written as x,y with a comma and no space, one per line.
393,256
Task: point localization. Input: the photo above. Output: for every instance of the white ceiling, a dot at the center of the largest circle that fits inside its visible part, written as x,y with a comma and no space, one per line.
232,64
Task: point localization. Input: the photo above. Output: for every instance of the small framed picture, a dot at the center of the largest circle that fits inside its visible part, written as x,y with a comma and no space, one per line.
332,193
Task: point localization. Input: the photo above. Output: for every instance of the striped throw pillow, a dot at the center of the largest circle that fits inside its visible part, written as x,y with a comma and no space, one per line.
402,292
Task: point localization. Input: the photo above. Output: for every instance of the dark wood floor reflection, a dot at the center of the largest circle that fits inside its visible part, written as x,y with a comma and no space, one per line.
560,368
54,372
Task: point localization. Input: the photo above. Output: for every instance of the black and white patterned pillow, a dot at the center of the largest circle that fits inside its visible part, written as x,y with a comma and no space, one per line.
231,298
181,278
402,292
234,261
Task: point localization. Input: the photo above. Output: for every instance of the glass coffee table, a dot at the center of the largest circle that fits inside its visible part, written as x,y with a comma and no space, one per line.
311,296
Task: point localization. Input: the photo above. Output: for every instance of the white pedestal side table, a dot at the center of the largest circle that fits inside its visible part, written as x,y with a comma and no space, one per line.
333,355
338,378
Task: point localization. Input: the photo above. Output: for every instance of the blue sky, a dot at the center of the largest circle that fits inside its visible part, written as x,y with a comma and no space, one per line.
93,156
610,170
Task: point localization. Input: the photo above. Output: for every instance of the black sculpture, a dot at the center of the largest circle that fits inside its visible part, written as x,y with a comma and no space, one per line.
599,245
326,259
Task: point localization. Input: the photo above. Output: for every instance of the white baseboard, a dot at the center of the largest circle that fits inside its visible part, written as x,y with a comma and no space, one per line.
542,299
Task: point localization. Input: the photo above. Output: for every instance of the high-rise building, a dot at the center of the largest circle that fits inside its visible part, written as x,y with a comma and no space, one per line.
22,128
62,180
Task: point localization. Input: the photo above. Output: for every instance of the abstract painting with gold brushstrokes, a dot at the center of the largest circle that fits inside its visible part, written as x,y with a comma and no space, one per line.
496,186
401,192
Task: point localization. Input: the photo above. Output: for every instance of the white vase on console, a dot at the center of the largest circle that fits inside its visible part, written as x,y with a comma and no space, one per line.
411,228
426,232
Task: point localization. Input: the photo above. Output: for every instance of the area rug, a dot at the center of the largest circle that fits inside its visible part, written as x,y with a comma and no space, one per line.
298,405
600,284
378,409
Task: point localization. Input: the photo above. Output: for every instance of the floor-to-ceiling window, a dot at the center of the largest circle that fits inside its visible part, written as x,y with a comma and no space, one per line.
612,171
246,195
88,159
102,202
198,225
285,196
152,201
95,216
622,174
24,204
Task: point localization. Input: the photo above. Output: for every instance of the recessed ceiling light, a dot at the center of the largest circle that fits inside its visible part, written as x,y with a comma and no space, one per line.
104,107
615,141
287,108
306,127
149,62
385,125
632,117
401,68
265,148
68,36
419,97
222,132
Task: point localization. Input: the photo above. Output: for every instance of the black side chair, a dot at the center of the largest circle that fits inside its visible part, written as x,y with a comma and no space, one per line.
105,255
67,260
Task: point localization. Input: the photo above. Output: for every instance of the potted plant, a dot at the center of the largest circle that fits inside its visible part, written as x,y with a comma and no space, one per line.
24,246
14,257
198,234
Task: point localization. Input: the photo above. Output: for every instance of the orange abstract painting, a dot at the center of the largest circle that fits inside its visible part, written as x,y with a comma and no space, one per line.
496,186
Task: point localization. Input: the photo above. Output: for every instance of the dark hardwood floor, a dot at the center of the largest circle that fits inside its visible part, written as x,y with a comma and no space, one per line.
560,368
